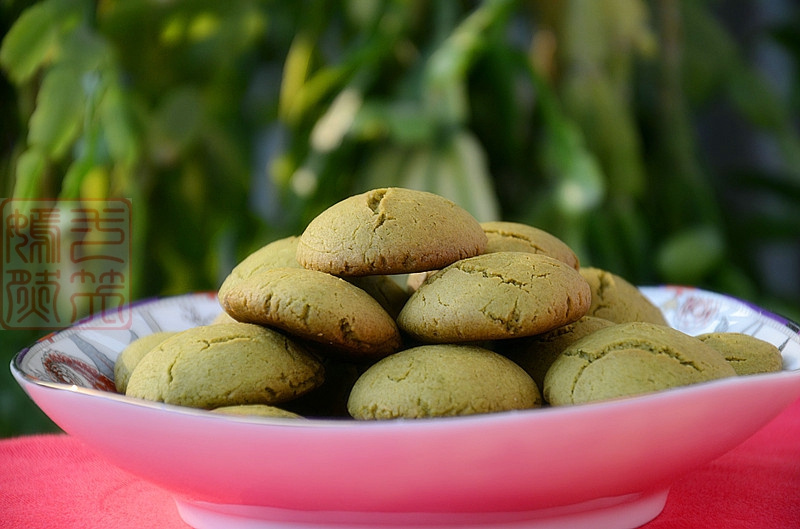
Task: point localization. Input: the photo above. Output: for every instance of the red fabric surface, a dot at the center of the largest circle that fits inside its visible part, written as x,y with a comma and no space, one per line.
57,481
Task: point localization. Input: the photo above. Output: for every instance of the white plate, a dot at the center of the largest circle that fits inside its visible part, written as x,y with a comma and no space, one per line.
603,465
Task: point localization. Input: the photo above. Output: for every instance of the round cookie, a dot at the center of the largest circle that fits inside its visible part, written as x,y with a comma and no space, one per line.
535,354
130,357
441,380
630,359
225,364
315,306
513,237
617,300
747,354
281,254
277,254
389,231
255,410
517,237
495,296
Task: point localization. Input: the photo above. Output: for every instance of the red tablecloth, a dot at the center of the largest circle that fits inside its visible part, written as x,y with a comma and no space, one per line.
57,481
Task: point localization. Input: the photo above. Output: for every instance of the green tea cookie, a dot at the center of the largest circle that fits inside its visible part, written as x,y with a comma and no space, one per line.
513,237
535,354
494,296
615,299
389,231
747,354
630,359
255,410
225,364
516,237
315,306
281,254
277,254
130,357
441,380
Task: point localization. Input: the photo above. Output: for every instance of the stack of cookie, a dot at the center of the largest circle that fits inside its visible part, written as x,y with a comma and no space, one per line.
397,303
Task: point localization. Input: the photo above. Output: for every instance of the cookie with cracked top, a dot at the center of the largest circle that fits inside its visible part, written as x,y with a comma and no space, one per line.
747,354
495,296
314,306
504,236
281,254
517,237
617,300
535,354
130,357
630,359
225,364
389,231
441,380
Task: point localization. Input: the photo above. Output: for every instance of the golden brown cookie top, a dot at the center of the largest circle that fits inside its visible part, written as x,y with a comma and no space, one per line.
495,296
516,237
389,231
315,306
441,380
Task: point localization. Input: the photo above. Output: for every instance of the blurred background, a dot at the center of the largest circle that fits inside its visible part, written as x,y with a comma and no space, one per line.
659,138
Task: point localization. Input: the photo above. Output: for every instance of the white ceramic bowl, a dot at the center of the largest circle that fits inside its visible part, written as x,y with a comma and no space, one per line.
604,465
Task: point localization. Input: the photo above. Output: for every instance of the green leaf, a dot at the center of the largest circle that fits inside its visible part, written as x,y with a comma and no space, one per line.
58,116
30,170
118,128
478,195
691,255
30,42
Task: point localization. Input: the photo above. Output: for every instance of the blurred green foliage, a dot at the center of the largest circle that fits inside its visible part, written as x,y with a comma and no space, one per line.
229,124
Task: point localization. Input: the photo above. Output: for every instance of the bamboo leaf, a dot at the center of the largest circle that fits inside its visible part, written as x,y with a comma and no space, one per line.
117,124
30,42
478,194
30,170
295,73
58,116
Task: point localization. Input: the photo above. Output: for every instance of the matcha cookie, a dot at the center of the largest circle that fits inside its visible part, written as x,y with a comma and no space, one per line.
225,364
130,357
630,359
441,380
277,254
255,410
495,296
516,237
747,354
315,306
281,254
617,300
535,354
389,231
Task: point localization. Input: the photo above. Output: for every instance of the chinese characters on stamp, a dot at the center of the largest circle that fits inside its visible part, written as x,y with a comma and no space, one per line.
63,260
